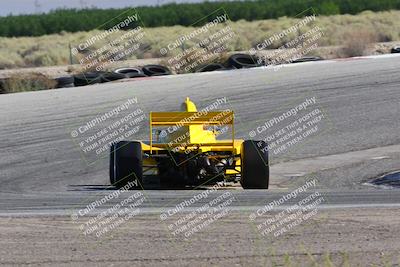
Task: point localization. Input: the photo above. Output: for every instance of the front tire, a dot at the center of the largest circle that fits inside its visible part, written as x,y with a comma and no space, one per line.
126,164
254,165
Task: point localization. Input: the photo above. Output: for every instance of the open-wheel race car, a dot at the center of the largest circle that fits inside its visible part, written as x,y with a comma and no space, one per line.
183,150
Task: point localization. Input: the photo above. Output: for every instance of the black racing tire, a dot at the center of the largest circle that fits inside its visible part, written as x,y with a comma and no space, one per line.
65,82
128,70
211,67
156,70
135,75
307,59
241,61
126,164
87,78
111,76
3,86
254,165
395,50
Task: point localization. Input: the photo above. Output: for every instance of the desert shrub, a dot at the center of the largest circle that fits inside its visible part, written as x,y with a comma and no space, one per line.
10,60
39,58
27,82
357,41
53,49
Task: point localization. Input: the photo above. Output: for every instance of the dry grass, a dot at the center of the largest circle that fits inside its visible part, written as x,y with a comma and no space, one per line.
357,42
354,33
27,82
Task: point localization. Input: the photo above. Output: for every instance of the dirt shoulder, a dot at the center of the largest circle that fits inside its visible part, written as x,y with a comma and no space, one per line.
363,237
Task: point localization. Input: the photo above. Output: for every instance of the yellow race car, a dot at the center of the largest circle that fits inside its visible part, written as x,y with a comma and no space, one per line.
183,150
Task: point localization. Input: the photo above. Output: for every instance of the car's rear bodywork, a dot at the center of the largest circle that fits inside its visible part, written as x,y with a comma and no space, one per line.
183,149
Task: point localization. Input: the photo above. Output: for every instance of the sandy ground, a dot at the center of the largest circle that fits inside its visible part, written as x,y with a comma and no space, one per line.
358,237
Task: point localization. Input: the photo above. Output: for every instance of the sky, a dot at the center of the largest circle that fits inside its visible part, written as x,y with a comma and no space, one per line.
36,6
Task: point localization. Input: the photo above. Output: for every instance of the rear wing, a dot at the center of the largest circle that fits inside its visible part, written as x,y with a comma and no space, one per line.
184,118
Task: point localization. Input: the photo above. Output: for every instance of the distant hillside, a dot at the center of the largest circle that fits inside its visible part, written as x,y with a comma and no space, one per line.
181,14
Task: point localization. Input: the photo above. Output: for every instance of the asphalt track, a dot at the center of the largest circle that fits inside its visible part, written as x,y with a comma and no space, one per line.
161,201
41,168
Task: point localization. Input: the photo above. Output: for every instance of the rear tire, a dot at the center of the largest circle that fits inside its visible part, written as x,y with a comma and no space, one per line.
254,165
126,164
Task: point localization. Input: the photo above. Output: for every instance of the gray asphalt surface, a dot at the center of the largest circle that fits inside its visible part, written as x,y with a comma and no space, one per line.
360,98
45,183
161,201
